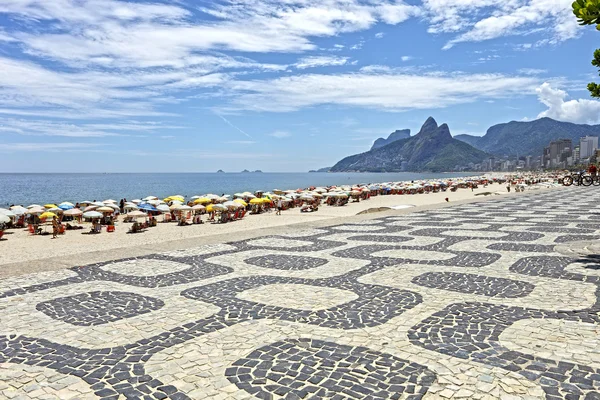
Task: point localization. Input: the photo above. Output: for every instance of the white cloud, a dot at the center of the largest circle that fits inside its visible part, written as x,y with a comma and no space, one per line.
380,90
379,35
320,61
406,58
532,71
582,111
116,33
46,147
479,20
280,134
29,127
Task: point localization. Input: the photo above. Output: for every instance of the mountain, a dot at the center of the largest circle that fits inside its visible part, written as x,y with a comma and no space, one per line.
528,138
326,169
432,149
396,135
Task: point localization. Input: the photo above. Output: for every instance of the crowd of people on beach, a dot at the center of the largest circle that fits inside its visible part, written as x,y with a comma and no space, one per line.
146,213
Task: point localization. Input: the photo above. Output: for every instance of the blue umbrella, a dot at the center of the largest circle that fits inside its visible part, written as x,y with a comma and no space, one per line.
147,207
65,207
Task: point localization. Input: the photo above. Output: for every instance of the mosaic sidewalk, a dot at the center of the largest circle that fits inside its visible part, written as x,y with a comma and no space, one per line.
472,301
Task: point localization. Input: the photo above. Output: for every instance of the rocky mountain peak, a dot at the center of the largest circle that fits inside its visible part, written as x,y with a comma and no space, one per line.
429,126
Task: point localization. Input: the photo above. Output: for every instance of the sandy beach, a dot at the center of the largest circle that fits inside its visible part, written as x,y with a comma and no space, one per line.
18,246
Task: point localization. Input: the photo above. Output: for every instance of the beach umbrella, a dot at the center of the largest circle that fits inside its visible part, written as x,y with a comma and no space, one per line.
130,206
184,208
154,202
175,207
8,213
150,198
18,210
90,208
219,207
85,203
147,207
136,201
65,206
55,210
256,201
73,212
112,205
50,206
97,204
66,203
198,207
232,204
4,219
92,214
137,214
109,201
202,200
240,202
163,208
34,206
36,210
195,197
238,195
105,209
47,214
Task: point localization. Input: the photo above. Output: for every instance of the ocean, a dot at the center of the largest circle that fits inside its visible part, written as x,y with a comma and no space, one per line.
27,189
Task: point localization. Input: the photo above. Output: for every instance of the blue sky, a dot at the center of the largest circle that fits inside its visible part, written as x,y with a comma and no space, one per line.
276,85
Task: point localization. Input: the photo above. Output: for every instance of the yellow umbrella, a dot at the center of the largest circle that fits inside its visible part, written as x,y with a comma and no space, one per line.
202,200
256,201
265,200
171,198
47,214
240,201
210,208
50,206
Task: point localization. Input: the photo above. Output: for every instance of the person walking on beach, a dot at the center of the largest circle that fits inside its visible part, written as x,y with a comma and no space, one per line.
55,227
279,206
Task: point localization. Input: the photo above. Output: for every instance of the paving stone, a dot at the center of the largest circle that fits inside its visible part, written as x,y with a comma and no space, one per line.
482,301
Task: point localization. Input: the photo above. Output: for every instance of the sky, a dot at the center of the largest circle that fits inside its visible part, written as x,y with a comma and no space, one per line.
275,85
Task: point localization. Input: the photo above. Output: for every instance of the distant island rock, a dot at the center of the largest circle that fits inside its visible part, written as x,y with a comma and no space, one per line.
326,169
220,171
245,171
432,149
394,136
258,171
527,138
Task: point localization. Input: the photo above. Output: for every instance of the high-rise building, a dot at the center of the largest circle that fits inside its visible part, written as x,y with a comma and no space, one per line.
558,154
587,146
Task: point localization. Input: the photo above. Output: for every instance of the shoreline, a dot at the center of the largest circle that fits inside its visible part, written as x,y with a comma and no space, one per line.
24,254
209,182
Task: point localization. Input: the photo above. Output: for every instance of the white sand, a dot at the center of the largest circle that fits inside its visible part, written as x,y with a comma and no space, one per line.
20,246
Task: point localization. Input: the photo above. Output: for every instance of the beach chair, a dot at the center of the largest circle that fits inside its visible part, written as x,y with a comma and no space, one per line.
110,228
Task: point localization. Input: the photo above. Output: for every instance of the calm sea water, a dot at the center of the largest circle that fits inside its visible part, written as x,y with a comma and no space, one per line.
54,188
